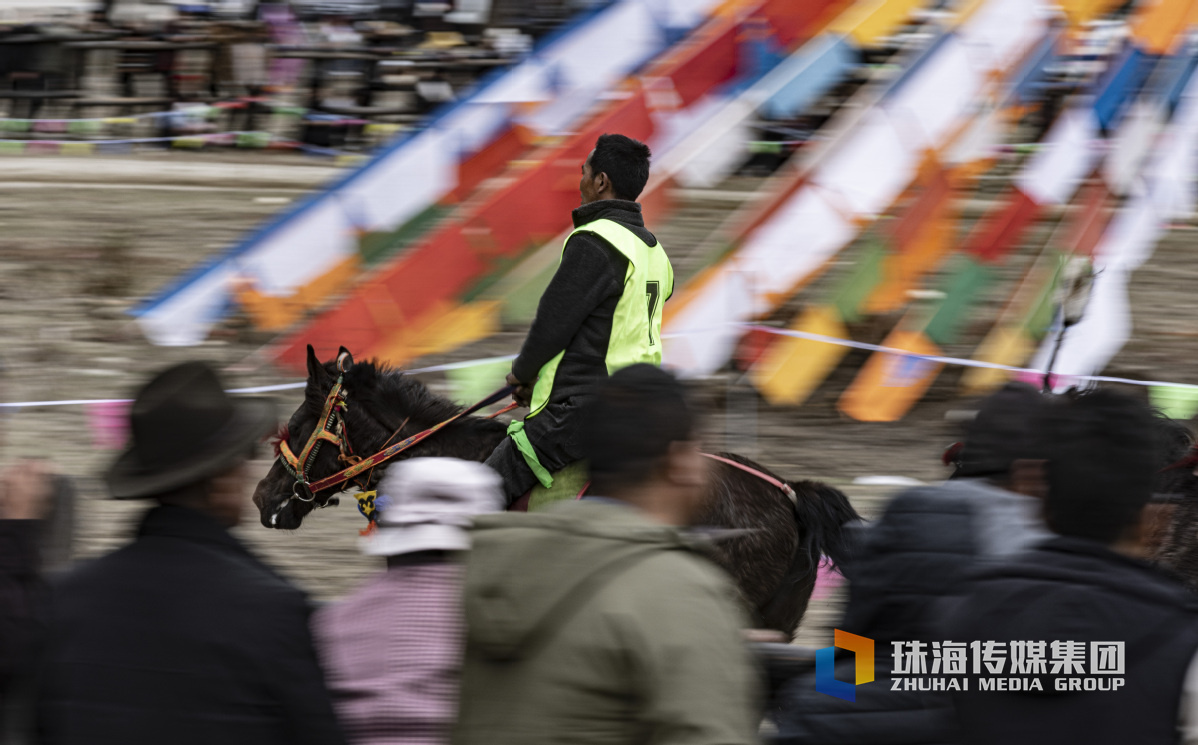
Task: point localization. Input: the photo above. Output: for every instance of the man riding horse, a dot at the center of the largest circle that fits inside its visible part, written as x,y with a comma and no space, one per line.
601,312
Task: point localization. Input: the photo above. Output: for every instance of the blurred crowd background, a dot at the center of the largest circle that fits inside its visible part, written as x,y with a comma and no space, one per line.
878,212
871,208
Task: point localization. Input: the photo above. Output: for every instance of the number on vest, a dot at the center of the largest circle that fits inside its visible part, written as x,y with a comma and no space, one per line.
652,293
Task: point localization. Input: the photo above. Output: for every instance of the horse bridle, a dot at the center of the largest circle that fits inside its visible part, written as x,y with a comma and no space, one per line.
330,427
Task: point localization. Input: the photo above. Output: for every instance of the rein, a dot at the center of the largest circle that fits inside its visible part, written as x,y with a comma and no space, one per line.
331,428
388,453
785,487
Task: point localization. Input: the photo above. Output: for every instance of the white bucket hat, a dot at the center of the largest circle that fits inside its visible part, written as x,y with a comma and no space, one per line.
426,504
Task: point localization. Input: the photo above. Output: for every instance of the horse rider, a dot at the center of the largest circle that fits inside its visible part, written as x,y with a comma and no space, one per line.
601,312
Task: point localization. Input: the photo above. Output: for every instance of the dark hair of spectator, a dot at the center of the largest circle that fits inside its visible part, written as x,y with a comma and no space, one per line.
1174,474
626,163
638,412
1103,455
1003,431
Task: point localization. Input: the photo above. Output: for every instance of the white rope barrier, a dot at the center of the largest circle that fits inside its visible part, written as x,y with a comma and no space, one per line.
956,361
253,389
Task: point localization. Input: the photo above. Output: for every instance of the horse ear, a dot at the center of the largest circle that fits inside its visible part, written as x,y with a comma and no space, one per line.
316,371
345,360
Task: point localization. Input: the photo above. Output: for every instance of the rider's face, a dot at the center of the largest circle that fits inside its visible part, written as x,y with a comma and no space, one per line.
590,186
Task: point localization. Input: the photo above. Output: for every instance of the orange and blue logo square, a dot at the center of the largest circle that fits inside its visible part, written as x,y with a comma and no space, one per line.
862,648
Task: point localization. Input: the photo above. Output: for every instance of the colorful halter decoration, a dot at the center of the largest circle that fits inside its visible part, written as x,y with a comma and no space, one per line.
331,428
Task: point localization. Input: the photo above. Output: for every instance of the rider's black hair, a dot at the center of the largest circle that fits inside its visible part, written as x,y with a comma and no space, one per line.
1103,455
638,412
626,163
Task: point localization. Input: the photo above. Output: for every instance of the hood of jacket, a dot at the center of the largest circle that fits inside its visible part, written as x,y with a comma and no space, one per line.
528,573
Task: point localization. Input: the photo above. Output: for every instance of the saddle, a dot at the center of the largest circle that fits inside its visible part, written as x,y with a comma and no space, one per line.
568,483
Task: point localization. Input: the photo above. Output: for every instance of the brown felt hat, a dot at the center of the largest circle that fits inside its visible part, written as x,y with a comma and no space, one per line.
184,429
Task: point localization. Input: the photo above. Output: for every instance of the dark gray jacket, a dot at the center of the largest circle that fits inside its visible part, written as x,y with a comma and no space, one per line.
1072,589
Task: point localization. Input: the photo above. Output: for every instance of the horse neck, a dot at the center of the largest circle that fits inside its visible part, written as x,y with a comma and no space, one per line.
406,410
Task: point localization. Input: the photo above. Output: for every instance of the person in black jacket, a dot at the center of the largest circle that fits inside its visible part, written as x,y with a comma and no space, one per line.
36,520
578,316
25,498
925,547
183,636
1089,585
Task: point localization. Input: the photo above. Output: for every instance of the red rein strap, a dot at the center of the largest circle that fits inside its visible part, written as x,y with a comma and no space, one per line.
386,454
785,487
504,410
1189,461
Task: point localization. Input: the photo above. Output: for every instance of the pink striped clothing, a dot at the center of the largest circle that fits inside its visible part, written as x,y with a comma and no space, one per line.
392,652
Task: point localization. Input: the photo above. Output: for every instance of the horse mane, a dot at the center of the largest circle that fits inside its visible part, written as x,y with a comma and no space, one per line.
390,388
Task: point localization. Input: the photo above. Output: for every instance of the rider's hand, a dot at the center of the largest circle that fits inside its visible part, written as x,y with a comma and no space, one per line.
25,491
523,393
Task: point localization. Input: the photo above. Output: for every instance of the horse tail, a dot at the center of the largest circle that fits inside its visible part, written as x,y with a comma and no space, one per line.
822,512
822,516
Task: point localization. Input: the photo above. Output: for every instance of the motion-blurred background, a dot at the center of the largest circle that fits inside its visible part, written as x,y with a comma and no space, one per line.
869,206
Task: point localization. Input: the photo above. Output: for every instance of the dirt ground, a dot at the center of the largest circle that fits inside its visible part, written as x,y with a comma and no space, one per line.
78,249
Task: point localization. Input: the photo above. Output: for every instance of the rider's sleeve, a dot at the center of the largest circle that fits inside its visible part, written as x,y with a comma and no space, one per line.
590,272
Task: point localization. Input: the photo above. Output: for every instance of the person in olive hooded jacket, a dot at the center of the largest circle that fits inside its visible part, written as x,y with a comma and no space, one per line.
596,621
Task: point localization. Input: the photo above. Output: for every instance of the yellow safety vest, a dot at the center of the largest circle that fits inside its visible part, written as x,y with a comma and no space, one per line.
636,324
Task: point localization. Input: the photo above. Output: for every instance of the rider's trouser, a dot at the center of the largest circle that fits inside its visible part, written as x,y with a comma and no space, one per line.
555,433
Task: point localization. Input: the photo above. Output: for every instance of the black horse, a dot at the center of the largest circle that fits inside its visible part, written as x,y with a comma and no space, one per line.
773,556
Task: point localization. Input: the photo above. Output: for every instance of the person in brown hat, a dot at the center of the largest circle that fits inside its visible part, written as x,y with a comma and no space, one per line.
183,636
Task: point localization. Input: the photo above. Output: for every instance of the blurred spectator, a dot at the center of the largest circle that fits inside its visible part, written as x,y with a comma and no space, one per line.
925,547
52,527
597,621
37,510
1172,513
996,471
392,651
919,551
25,499
1088,583
183,636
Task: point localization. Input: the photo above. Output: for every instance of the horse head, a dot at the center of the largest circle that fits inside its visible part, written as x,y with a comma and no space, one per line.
339,399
